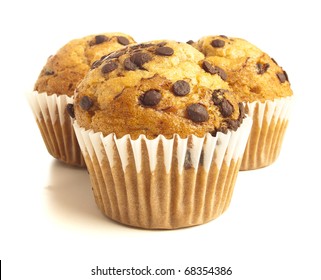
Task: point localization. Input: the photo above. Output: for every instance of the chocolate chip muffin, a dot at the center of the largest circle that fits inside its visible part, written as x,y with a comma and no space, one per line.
159,88
55,86
161,133
264,88
68,66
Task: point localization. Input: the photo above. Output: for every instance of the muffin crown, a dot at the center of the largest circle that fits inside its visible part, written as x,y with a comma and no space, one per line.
68,66
159,87
251,73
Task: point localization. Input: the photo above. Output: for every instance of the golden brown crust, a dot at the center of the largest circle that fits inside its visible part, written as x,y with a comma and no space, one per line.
252,74
68,66
155,88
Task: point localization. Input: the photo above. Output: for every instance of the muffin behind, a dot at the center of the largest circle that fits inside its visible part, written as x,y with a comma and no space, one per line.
264,88
55,87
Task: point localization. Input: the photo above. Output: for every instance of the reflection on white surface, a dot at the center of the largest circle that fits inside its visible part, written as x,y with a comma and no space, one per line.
69,198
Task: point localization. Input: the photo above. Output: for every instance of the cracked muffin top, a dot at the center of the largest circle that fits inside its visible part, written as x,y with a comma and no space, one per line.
64,70
251,73
156,88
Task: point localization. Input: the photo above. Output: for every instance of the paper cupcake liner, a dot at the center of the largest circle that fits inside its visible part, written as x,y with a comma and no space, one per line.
163,183
270,120
56,127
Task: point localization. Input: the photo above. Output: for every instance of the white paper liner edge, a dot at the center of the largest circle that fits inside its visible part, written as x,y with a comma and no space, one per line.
222,147
278,108
44,106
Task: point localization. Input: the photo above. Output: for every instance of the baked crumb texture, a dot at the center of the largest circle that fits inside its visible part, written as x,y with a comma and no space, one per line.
157,88
264,88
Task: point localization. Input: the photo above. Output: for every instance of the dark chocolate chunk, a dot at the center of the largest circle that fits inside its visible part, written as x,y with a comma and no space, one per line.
217,96
217,43
223,36
226,108
99,39
281,76
165,51
109,67
188,160
49,72
96,64
262,68
242,111
140,58
190,42
161,44
286,76
197,112
274,61
208,67
70,110
181,88
85,103
232,124
122,40
151,97
115,54
129,65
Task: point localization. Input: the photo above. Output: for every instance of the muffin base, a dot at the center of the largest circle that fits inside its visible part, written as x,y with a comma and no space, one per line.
56,127
163,183
270,121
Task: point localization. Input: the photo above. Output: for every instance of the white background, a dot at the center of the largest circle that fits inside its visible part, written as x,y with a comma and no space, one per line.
50,227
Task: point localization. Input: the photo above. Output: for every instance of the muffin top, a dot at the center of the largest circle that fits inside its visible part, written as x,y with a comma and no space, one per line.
153,88
64,70
252,74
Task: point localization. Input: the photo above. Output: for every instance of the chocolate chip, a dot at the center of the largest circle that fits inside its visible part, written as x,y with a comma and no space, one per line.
122,40
197,112
181,88
217,43
188,160
99,39
286,76
224,36
217,96
49,72
232,124
226,108
274,61
242,111
109,67
85,103
190,42
262,68
115,54
96,64
129,65
70,110
151,97
140,58
161,44
281,76
208,67
165,51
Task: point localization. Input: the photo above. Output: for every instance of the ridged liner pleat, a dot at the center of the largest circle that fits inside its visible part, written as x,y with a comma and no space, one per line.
163,183
270,120
56,127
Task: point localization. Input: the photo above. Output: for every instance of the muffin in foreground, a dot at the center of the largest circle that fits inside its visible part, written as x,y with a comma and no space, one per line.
55,87
264,88
161,134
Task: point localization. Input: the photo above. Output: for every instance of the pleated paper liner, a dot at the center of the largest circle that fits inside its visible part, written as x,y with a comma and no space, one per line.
270,120
56,127
163,183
